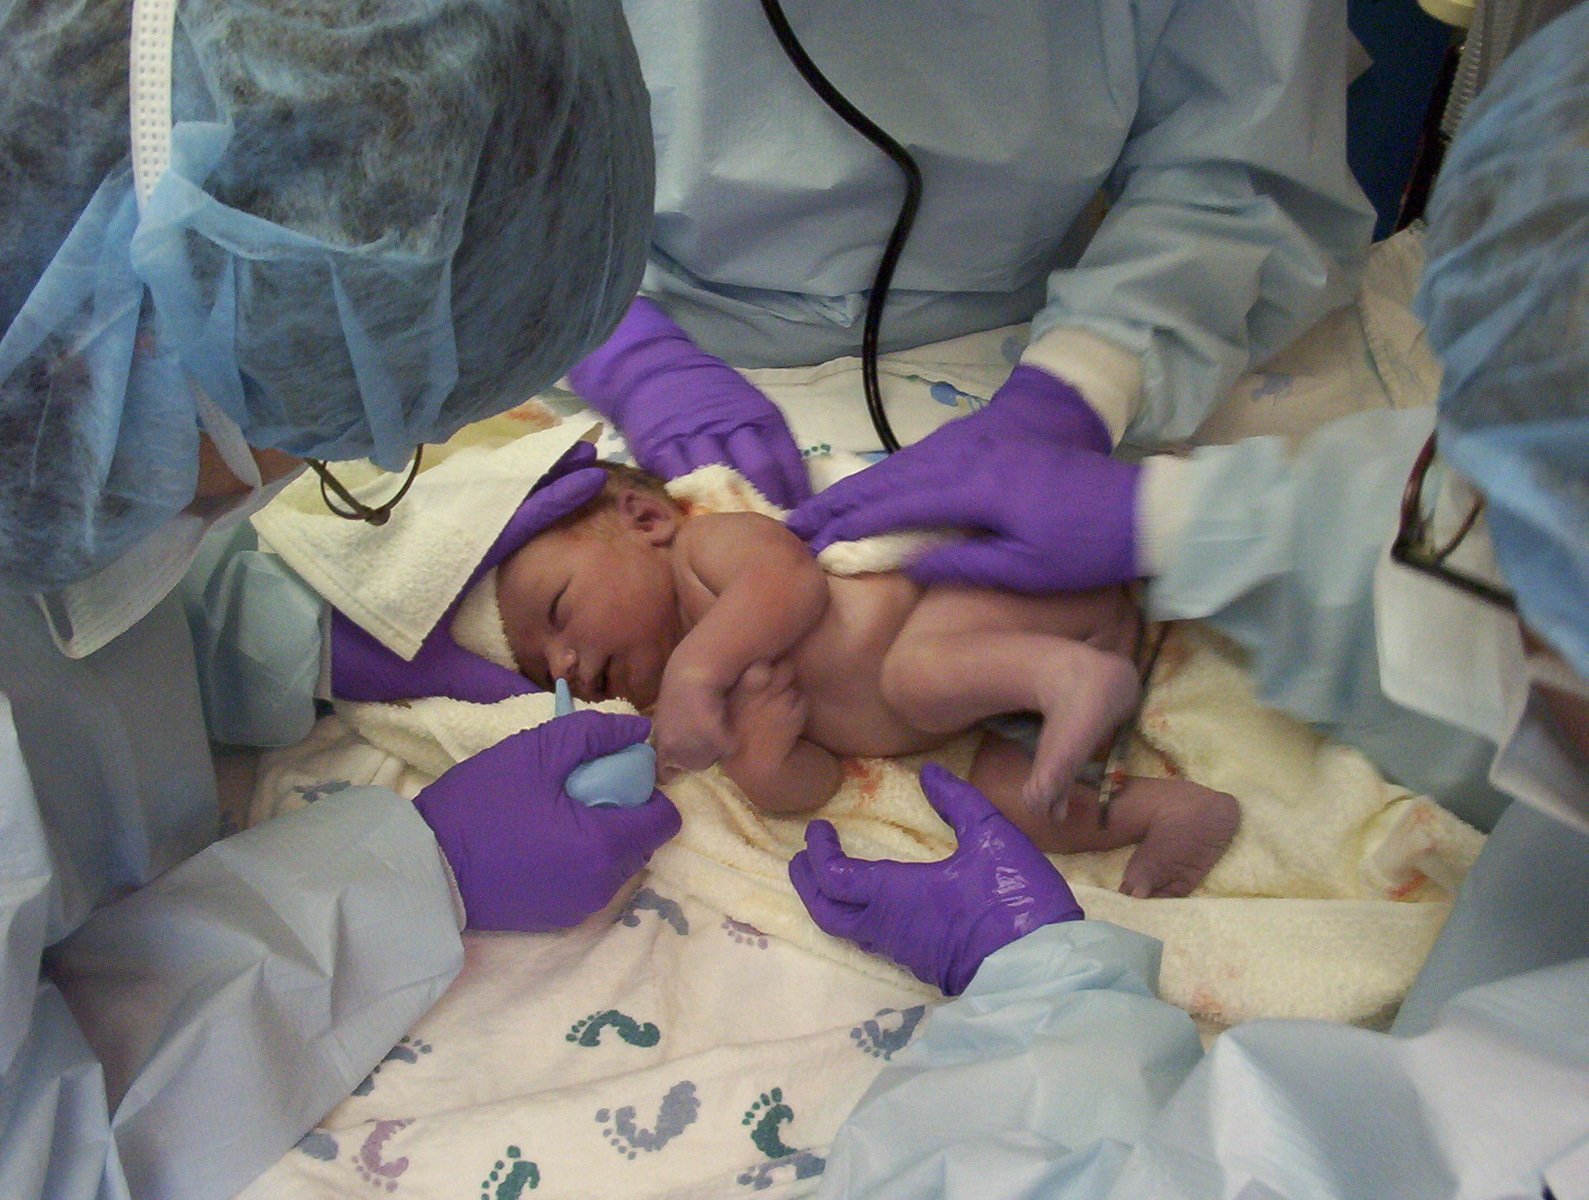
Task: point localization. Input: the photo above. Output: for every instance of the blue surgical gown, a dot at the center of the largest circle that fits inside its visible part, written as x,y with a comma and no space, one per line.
177,1010
1213,131
1059,1074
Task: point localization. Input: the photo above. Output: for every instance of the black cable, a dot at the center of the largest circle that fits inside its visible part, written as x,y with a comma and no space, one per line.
867,128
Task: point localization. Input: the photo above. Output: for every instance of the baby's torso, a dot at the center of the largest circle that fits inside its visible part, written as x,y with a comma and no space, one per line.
839,667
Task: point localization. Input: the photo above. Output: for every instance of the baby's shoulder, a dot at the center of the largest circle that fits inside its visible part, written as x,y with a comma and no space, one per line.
703,527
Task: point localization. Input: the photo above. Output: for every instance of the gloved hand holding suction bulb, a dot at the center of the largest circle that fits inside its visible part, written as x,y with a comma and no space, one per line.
625,779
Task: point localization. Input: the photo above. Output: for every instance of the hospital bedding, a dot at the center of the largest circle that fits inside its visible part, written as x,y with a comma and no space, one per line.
702,1037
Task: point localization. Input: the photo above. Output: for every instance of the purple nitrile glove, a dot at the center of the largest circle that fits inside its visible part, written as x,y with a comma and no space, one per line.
1030,476
525,855
679,408
363,669
938,919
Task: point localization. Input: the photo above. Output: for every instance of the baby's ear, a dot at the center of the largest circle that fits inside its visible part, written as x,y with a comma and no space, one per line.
649,515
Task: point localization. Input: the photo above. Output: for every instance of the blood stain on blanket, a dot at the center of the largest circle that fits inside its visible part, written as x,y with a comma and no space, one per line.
587,1031
677,1112
512,1175
667,911
879,1042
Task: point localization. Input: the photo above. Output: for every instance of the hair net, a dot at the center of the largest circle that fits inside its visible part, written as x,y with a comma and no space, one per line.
382,220
1506,298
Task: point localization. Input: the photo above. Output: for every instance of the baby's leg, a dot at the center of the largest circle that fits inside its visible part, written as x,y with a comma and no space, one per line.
1183,828
951,667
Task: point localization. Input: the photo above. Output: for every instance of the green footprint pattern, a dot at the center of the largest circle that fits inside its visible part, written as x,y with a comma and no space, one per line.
511,1177
766,1116
773,1112
587,1031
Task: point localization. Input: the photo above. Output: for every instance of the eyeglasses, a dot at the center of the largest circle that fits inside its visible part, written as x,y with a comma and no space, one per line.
356,509
1415,546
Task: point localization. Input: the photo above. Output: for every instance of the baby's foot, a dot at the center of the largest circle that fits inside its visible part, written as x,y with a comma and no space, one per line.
1186,836
1083,703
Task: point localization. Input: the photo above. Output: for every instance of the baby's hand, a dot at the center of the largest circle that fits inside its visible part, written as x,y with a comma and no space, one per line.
690,724
767,712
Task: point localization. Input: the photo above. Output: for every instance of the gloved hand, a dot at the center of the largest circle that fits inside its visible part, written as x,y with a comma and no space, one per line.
363,669
938,919
525,855
679,408
1031,472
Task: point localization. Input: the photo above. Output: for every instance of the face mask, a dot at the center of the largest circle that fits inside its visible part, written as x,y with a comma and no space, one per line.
1533,764
1442,652
84,616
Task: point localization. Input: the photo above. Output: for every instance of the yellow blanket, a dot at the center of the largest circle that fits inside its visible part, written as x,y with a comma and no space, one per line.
1325,905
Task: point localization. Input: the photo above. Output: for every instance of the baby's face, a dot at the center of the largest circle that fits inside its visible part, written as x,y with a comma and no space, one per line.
594,606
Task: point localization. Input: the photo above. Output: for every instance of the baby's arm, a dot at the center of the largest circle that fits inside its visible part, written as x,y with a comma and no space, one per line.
778,770
762,592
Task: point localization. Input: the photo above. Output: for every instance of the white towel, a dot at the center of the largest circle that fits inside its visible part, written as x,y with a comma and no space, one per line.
396,580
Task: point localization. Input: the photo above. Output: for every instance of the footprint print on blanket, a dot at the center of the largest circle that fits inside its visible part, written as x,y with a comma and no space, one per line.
511,1177
880,1042
743,934
407,1050
371,1158
645,900
766,1117
677,1112
587,1031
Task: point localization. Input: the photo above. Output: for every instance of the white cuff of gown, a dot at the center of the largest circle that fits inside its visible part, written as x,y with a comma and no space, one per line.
1108,376
1164,504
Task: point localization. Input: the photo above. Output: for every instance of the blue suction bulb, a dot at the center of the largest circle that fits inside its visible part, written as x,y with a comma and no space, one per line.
622,780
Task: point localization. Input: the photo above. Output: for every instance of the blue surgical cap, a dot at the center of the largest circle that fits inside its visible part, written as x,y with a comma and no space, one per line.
381,221
1505,295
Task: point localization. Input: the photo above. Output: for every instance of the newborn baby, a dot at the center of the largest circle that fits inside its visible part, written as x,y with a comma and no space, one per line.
751,656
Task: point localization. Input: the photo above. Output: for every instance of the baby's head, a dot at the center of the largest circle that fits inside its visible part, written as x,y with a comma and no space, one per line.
592,598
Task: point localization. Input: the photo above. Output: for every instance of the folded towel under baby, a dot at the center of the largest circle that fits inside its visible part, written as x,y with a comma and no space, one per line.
396,580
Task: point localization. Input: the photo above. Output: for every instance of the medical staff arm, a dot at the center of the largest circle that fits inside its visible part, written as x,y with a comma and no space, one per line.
767,592
1036,1082
238,998
1233,222
1276,546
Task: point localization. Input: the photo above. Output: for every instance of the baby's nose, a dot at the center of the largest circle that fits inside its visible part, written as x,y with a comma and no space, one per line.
563,660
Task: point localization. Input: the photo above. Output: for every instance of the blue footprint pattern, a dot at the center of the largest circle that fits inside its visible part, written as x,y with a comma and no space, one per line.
645,900
880,1042
677,1112
743,934
407,1050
